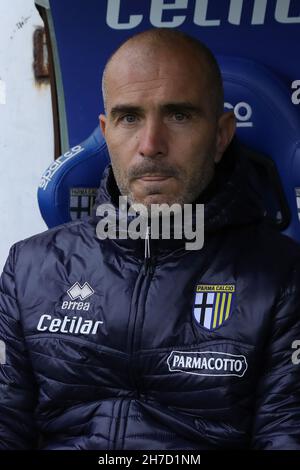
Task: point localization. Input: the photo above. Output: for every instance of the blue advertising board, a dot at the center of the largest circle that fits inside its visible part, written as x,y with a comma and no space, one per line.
88,31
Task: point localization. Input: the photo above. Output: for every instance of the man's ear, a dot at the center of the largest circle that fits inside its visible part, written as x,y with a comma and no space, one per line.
225,133
102,121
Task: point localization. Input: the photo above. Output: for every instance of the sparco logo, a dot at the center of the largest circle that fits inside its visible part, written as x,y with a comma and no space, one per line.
164,14
207,363
54,167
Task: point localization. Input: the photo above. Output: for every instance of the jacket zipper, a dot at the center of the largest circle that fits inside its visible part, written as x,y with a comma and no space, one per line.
147,266
141,289
139,295
138,299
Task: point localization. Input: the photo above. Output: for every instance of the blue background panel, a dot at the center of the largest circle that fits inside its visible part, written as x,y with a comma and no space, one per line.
87,32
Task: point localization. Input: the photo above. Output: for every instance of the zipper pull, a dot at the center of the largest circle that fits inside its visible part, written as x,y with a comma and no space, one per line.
147,254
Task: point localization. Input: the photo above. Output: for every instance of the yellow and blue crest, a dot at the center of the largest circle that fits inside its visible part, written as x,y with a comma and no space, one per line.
213,304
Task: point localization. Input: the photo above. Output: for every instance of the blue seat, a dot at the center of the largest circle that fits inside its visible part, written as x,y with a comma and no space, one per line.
267,126
68,187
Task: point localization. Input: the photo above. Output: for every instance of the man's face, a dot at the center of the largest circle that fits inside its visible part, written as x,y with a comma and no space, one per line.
162,134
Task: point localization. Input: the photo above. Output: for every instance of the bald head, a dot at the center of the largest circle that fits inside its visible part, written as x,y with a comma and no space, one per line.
150,44
164,126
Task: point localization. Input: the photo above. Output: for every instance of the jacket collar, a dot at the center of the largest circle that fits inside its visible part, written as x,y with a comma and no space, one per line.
229,200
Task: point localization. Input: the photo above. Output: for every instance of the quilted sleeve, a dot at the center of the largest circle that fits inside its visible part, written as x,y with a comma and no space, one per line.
277,414
17,386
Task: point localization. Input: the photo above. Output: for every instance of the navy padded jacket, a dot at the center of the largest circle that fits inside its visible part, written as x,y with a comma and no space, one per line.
186,350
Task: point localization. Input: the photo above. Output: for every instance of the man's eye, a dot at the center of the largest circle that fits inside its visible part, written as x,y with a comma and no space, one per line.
128,118
180,117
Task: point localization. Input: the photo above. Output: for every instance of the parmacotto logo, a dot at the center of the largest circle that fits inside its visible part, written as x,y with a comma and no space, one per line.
207,363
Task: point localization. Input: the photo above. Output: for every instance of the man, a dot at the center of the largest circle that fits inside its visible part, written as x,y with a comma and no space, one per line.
169,348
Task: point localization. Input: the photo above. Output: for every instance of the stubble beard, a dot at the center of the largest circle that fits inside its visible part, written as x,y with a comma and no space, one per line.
192,186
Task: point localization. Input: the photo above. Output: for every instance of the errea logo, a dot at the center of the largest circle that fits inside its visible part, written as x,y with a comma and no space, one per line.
71,323
78,292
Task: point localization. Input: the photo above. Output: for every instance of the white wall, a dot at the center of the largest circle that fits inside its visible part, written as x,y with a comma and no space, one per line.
26,130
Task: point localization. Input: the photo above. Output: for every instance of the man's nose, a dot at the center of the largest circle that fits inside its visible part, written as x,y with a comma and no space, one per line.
153,139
